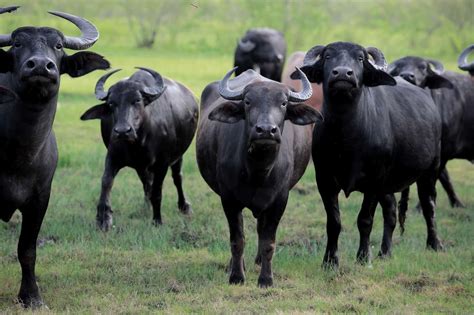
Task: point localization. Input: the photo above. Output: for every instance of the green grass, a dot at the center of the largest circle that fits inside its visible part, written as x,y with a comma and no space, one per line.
180,267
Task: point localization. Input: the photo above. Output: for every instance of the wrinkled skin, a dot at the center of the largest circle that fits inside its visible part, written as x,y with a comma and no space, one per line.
147,134
296,60
251,153
453,93
30,70
370,118
268,55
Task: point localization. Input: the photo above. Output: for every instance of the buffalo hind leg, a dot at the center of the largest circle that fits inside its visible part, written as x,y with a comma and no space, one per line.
403,208
183,205
156,194
389,209
33,215
233,213
364,223
448,187
427,195
146,177
267,225
104,211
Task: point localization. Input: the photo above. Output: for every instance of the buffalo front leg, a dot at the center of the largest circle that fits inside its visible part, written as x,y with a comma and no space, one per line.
158,178
267,225
403,208
233,213
389,208
427,194
448,187
183,205
104,211
33,215
364,223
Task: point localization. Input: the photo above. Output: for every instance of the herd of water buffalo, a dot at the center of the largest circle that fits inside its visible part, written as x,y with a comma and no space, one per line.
369,127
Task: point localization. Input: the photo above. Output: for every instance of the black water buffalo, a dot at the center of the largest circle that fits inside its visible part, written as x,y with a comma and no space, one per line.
29,75
253,145
147,123
453,93
263,50
379,135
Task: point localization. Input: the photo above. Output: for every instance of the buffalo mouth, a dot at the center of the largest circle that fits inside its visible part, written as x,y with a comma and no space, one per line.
262,146
40,79
342,84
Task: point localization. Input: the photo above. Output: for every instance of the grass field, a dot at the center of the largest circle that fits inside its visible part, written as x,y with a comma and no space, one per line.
180,267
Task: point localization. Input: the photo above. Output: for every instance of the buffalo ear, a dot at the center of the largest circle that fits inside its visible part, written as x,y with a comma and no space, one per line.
302,114
436,81
314,72
82,63
228,112
96,112
6,61
375,77
7,95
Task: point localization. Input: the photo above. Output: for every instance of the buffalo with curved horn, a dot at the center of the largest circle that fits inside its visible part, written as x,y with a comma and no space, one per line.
30,76
253,145
147,123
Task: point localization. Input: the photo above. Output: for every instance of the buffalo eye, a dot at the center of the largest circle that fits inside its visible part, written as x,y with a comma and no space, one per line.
247,102
361,58
112,104
284,104
59,46
422,67
328,57
17,44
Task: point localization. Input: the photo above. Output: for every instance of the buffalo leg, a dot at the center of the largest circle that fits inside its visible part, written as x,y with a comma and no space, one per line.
427,196
448,187
146,177
33,215
329,194
104,211
389,209
183,205
267,225
158,178
403,208
233,213
364,223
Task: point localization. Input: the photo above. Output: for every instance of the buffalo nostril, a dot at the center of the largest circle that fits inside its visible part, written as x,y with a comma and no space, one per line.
349,73
274,130
259,129
50,66
335,72
30,64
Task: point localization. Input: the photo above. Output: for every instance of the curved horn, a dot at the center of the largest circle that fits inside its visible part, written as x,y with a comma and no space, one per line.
379,60
160,87
100,94
247,46
462,61
305,93
6,39
224,90
89,33
438,66
312,55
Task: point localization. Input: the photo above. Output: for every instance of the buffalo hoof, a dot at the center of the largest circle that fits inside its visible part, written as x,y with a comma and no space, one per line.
104,218
434,244
363,257
236,278
31,301
384,255
330,262
265,282
185,208
457,204
157,222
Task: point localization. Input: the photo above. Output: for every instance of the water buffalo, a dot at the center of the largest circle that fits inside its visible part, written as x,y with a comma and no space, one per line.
379,135
296,60
261,49
147,123
453,93
253,144
29,75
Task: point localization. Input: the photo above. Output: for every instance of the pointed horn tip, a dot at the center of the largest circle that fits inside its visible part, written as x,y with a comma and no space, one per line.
10,9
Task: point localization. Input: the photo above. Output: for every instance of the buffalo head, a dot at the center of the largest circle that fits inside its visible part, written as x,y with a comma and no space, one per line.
344,68
420,72
125,101
264,106
36,57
